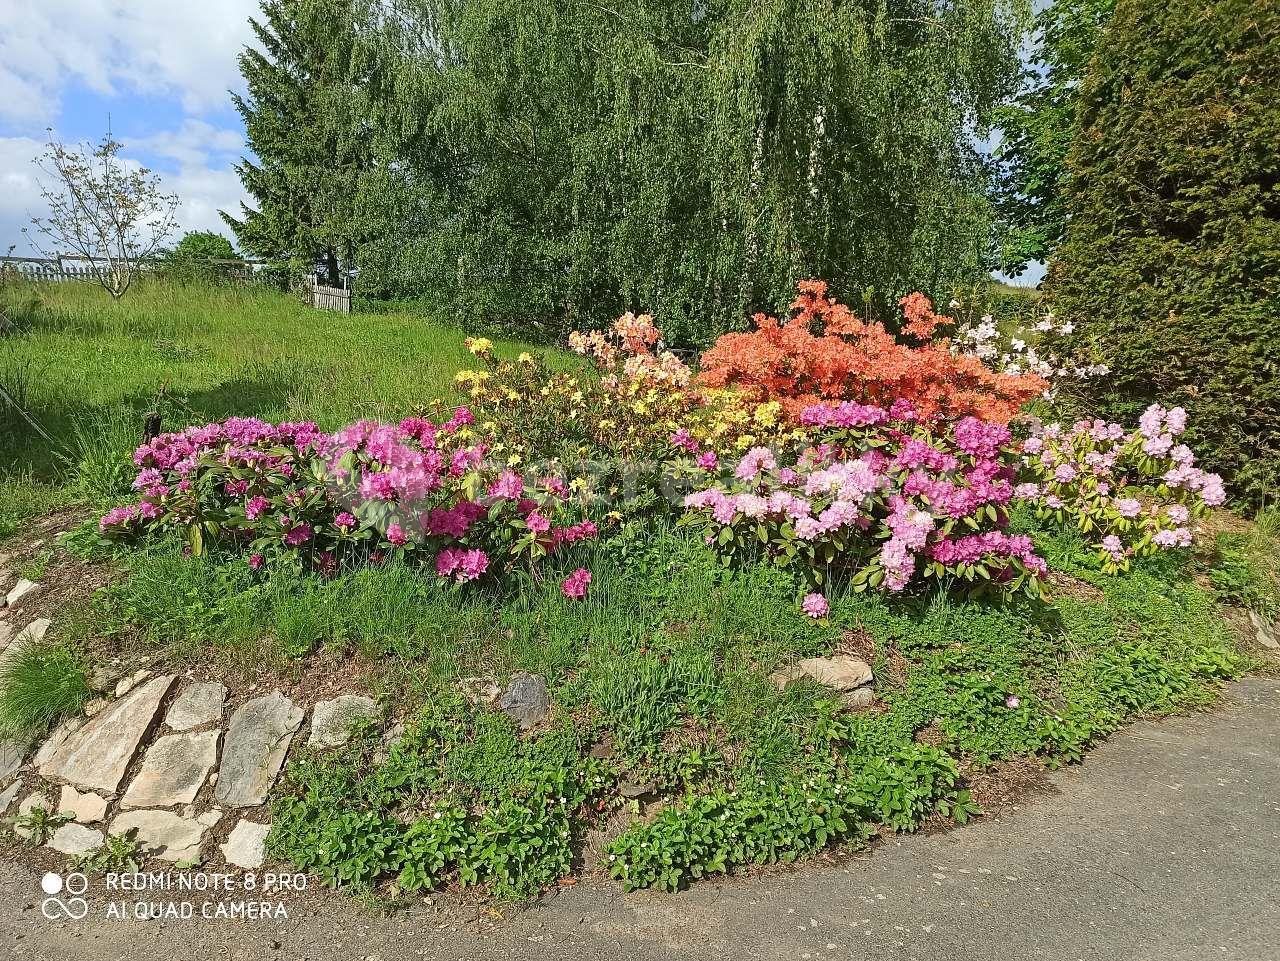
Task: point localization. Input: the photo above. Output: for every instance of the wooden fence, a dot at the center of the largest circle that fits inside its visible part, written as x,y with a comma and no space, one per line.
44,268
79,268
330,298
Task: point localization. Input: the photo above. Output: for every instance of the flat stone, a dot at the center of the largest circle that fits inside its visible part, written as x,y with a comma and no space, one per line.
56,740
75,839
33,633
162,833
209,818
6,634
841,672
859,697
125,685
24,588
85,808
8,795
197,704
246,844
258,739
173,770
36,799
1266,631
96,757
526,700
11,754
331,720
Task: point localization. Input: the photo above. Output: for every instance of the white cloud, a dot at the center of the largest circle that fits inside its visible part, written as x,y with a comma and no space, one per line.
19,193
181,48
192,144
204,180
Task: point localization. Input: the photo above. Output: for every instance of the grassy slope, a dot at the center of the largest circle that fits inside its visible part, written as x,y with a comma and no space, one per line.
667,662
87,369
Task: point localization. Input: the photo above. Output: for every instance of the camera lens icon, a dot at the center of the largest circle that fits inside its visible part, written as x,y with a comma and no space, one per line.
73,908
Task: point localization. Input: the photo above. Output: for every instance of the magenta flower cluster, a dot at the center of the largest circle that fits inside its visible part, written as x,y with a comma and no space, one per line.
1138,490
368,491
880,491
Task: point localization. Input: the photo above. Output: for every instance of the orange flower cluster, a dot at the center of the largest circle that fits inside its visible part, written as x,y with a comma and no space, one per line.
825,352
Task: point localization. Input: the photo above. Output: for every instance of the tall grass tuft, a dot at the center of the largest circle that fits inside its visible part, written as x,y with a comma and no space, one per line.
98,458
41,682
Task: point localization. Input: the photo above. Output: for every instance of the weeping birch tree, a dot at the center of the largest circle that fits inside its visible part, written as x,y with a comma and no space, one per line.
553,163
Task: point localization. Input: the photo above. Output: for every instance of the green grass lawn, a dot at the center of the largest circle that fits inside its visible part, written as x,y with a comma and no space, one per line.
87,369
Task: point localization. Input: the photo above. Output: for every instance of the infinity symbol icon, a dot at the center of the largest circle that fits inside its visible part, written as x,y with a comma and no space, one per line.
73,909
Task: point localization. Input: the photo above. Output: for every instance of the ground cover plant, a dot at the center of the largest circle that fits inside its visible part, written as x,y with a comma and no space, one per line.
661,552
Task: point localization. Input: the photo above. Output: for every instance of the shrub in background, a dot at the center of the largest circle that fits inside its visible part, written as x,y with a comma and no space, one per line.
195,257
1170,269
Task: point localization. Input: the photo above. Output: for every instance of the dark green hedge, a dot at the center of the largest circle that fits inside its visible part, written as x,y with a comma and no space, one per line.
1171,265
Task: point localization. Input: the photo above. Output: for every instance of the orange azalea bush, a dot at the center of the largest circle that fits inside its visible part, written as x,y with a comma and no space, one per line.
826,352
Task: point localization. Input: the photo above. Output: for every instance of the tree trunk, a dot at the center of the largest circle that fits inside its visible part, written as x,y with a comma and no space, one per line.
331,268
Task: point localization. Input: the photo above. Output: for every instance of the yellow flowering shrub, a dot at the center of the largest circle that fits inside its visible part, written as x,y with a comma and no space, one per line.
628,404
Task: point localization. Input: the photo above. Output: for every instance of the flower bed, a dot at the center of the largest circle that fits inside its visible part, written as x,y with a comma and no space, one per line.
904,473
293,494
741,521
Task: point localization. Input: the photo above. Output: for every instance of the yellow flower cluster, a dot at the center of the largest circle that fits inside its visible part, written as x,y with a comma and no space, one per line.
731,420
480,346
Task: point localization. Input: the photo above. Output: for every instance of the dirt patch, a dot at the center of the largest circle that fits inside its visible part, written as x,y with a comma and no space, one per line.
1064,585
1007,784
65,581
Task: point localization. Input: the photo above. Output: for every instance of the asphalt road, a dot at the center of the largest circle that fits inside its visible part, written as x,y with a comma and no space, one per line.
1164,846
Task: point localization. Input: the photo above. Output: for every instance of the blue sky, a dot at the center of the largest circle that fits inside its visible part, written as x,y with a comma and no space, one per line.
159,69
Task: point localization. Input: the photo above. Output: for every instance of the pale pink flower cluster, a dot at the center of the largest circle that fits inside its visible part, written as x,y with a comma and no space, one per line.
627,350
1140,489
815,605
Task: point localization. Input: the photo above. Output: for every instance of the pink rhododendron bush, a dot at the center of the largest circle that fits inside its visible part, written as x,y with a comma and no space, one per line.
291,493
882,494
894,499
